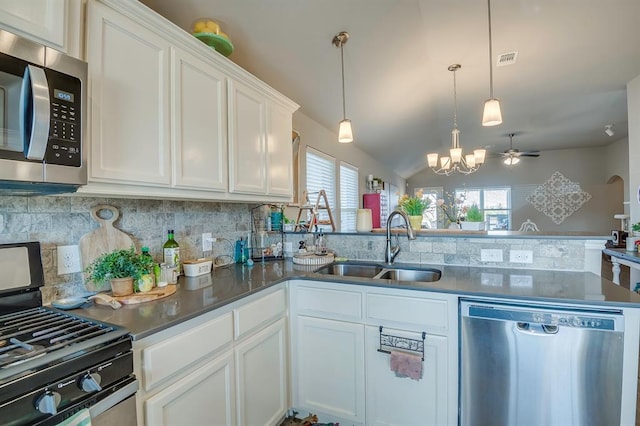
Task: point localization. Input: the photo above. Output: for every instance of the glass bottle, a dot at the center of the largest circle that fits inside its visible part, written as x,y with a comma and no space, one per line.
171,250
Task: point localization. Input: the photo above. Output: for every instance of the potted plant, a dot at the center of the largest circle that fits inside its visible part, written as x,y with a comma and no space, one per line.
474,219
635,229
122,268
414,207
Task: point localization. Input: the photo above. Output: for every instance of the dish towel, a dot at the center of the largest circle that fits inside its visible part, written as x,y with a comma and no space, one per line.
81,418
406,365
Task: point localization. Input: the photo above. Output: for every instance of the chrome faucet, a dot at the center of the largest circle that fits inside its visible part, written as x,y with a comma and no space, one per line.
390,253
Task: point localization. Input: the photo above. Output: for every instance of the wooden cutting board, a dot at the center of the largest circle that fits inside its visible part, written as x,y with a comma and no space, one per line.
104,239
148,296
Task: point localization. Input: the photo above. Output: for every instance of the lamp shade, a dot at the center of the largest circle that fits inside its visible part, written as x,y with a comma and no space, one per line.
345,134
432,159
511,161
492,115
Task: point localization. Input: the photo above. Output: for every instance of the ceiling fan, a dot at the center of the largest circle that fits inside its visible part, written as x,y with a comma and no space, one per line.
512,156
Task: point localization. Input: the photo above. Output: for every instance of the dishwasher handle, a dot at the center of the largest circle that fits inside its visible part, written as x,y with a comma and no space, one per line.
534,328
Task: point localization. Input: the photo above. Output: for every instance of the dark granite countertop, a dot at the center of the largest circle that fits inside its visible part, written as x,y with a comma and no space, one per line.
196,296
631,256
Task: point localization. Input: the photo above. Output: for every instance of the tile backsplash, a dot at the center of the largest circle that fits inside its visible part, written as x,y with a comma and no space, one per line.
63,220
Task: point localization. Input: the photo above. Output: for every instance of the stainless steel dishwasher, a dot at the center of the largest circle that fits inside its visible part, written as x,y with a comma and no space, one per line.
539,365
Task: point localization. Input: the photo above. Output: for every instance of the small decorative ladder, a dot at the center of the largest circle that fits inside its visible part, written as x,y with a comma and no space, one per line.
315,210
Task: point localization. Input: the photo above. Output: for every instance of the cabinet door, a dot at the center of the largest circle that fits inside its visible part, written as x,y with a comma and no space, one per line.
262,376
279,151
199,123
393,400
329,368
129,107
205,397
247,150
55,23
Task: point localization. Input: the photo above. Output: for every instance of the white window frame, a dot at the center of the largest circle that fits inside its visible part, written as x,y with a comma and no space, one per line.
328,183
349,196
488,211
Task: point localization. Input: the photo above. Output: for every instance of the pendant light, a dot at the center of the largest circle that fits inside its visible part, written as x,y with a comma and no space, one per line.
345,134
492,115
456,162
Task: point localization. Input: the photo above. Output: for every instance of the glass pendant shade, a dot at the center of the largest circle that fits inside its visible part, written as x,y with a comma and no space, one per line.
456,154
445,163
432,159
492,115
479,155
345,134
470,159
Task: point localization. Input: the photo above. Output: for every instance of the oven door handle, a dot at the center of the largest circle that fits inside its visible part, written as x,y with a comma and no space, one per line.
113,399
35,84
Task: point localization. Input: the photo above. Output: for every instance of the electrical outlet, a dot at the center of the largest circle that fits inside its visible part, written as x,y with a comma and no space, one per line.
521,256
207,242
68,260
491,255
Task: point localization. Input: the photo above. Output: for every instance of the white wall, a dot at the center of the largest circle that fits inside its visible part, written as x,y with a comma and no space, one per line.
326,140
633,114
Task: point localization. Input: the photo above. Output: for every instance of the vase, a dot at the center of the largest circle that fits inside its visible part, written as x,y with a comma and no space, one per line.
415,221
122,286
364,221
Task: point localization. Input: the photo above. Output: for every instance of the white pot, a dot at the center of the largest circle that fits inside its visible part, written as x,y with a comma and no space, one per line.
473,226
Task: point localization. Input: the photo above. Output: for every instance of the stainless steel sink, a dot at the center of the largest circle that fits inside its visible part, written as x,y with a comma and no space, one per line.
350,270
423,275
383,272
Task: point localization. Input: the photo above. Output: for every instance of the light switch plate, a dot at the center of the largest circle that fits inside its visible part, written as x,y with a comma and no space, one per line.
491,255
68,260
521,256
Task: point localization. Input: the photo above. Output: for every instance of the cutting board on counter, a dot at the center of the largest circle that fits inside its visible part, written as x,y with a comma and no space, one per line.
104,239
148,296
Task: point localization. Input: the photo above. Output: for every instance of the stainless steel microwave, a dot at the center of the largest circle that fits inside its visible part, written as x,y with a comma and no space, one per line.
42,118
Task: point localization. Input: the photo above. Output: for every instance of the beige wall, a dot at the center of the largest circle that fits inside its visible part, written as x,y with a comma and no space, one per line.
585,166
633,114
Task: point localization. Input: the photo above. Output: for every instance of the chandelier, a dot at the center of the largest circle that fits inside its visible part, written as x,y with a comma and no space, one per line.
456,162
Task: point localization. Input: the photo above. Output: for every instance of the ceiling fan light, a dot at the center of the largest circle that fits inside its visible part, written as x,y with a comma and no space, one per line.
492,115
479,155
345,134
432,159
511,161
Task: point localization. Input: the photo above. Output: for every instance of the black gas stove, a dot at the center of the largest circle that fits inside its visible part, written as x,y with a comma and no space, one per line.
52,363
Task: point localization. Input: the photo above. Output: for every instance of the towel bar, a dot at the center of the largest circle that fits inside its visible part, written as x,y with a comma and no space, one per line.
403,343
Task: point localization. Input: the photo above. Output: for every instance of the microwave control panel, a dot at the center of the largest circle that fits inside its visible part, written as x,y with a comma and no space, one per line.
65,127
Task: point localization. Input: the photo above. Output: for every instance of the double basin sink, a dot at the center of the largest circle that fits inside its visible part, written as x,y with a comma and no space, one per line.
380,271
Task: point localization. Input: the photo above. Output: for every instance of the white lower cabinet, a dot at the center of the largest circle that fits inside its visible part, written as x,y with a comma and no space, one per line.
338,372
261,363
196,373
329,377
204,397
393,400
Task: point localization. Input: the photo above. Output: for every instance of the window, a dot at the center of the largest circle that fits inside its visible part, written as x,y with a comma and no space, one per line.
430,218
321,174
494,202
348,197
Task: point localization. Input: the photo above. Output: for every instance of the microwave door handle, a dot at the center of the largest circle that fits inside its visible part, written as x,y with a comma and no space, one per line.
37,145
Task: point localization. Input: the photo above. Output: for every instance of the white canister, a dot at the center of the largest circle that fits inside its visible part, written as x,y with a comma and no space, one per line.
363,220
631,243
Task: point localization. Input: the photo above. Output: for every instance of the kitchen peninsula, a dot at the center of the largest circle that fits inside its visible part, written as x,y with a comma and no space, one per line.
222,316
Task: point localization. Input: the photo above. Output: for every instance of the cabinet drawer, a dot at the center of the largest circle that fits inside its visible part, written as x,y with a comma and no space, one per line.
179,352
329,303
426,314
251,316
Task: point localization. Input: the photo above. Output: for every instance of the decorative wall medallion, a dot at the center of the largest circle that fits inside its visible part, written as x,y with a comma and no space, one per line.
558,198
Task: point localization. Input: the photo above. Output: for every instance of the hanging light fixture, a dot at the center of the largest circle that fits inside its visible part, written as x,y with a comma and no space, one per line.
492,115
345,134
456,162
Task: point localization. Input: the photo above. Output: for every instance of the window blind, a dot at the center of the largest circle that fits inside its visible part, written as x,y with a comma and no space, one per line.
321,174
348,197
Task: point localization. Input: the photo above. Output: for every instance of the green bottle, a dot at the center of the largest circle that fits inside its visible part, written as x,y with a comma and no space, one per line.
171,251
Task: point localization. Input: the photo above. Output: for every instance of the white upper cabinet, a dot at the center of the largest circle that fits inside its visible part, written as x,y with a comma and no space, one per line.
128,108
55,23
169,117
247,134
199,123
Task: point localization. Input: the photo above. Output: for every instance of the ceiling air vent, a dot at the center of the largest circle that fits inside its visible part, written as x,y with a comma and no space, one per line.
505,59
